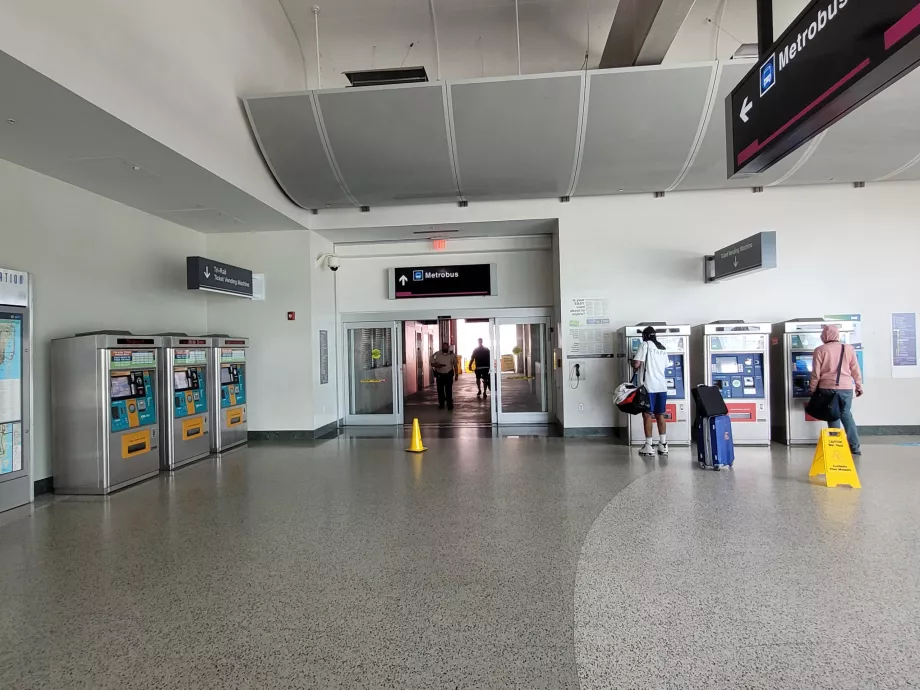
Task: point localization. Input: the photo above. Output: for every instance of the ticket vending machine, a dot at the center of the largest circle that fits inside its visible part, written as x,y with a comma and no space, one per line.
676,340
734,356
105,423
792,351
184,379
228,361
16,487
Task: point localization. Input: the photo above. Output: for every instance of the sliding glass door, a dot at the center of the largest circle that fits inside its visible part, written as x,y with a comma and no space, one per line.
374,373
523,367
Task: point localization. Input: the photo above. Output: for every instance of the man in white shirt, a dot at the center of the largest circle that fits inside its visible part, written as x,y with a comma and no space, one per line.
444,364
651,361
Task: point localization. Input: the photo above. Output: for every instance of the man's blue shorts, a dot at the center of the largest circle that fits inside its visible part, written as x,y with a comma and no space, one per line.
659,402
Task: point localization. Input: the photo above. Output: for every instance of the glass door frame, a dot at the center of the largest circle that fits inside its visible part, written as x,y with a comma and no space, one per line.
522,418
396,378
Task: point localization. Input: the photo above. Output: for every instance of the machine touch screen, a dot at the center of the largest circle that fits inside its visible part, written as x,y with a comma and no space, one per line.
225,376
180,380
121,387
801,374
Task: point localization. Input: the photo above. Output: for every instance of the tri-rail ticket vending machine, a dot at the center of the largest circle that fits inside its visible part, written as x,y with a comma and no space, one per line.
16,486
676,340
792,353
105,423
185,376
734,356
228,362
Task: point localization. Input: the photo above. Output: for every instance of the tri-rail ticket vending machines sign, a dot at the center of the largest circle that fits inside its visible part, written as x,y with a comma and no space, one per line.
185,377
792,353
676,340
16,487
105,423
228,362
733,355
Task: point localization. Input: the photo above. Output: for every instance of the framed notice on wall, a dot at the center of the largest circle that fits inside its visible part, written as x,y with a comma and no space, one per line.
323,357
904,353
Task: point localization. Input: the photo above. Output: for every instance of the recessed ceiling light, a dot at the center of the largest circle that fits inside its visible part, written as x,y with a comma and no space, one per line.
620,190
11,121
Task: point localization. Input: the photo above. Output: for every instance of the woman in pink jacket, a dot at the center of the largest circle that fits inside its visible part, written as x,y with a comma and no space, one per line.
824,375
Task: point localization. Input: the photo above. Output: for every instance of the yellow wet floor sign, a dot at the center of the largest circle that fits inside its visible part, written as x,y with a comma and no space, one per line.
834,460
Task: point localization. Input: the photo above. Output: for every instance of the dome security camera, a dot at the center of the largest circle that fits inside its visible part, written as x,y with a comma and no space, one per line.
333,263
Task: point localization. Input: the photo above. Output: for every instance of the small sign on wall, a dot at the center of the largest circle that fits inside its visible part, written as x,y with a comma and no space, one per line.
323,357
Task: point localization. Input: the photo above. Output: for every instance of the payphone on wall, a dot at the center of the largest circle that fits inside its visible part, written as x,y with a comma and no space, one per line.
792,352
228,362
733,355
184,380
676,340
104,411
16,487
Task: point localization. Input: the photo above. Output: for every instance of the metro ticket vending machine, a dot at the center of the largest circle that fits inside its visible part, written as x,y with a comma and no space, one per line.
792,353
228,362
733,355
676,340
105,428
184,378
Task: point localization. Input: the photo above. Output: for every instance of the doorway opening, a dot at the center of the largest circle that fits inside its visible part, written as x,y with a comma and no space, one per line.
392,377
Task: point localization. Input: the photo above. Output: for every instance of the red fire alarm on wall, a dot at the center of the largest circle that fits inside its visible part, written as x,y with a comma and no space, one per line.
291,316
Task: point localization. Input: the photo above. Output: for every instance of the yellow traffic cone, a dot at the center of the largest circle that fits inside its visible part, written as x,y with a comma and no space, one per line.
416,445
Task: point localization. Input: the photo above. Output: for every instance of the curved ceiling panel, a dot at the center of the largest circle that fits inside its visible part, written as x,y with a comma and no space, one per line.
708,169
641,127
873,141
290,140
390,144
516,138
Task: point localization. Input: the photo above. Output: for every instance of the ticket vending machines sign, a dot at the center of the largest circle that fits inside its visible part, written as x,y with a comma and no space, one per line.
228,362
792,353
184,381
15,389
676,340
115,442
733,355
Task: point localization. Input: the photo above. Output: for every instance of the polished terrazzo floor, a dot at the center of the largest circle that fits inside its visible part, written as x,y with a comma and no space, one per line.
486,563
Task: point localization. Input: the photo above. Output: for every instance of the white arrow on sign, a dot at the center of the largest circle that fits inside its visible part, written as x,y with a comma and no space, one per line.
736,262
207,273
745,109
403,280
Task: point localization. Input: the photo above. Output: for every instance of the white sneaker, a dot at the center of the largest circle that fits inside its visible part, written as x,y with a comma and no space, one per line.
662,449
647,450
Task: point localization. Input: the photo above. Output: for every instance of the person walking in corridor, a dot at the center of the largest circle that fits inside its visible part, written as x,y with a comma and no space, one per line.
482,357
828,358
444,364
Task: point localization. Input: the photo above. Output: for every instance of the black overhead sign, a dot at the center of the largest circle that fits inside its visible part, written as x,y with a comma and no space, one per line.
836,55
755,253
472,280
206,274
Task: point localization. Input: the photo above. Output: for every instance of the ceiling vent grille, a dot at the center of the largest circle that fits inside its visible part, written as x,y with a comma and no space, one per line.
393,75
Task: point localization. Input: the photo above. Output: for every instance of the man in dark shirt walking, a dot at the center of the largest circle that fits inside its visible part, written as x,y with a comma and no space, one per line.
482,357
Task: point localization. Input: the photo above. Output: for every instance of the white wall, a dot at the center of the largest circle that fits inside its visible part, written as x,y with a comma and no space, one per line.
323,317
96,265
715,29
477,39
173,69
841,250
280,359
524,275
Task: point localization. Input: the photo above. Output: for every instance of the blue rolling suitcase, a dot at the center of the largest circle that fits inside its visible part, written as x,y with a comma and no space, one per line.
714,443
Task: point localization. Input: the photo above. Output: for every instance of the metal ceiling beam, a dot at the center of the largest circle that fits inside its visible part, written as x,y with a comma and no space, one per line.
643,31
